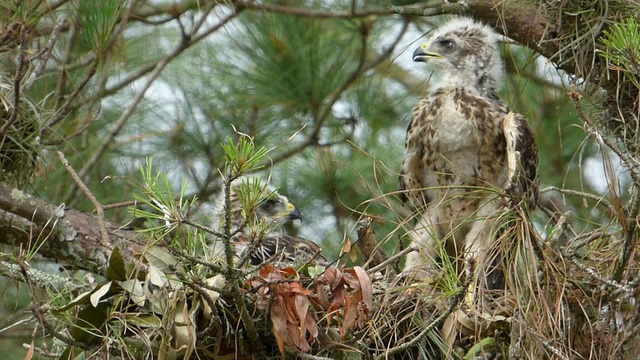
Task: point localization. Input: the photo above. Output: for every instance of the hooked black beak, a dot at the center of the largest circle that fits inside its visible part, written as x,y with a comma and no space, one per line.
421,54
295,214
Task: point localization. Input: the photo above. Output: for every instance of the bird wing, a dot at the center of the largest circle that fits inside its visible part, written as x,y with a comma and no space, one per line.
410,181
281,248
522,156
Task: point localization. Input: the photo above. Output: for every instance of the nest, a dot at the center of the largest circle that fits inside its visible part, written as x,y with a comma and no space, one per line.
599,45
20,140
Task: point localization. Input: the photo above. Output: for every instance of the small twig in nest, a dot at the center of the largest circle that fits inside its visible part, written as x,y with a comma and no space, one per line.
120,205
16,86
598,277
598,198
545,343
214,318
392,259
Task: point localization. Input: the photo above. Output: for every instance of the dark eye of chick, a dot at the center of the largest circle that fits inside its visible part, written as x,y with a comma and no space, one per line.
447,44
269,204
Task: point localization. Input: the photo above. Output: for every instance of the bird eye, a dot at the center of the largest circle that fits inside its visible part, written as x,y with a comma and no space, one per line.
448,45
269,203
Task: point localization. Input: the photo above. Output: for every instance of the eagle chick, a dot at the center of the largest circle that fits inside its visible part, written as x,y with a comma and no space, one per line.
464,151
257,213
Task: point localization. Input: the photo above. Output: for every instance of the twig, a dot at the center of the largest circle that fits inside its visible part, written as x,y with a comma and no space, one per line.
630,163
228,249
215,268
308,356
42,279
584,239
558,229
79,131
312,13
44,54
16,84
431,8
630,226
627,247
19,322
214,318
42,352
393,258
457,299
99,209
600,278
65,108
599,199
206,229
630,238
232,276
35,309
120,205
545,343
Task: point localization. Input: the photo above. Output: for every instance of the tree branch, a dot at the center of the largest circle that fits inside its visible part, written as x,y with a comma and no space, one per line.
69,236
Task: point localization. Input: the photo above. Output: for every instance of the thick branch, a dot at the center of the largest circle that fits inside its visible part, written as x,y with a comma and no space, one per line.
68,236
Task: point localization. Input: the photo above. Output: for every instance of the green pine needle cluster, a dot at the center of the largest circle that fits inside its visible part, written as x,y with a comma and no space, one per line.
622,48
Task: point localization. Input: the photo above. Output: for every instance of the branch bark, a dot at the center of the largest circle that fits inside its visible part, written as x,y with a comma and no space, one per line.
64,235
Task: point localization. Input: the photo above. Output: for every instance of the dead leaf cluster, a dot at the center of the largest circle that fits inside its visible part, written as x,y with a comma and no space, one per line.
344,297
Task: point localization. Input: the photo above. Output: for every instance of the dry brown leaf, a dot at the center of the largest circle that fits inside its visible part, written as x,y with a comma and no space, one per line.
278,339
351,294
349,249
296,287
218,282
335,278
291,316
350,312
350,281
321,298
365,284
367,243
302,309
346,244
31,351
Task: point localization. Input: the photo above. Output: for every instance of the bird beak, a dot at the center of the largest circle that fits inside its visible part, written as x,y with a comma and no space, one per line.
422,54
294,214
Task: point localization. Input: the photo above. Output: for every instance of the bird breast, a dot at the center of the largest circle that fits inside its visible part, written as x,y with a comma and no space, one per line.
461,137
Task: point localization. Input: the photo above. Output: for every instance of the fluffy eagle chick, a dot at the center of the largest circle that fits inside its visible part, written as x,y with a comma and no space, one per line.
464,151
257,212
